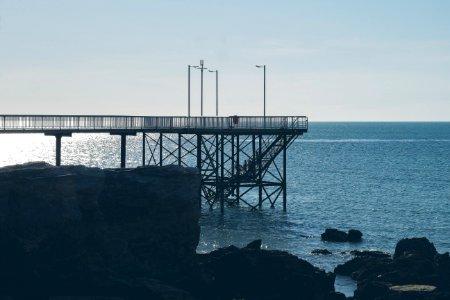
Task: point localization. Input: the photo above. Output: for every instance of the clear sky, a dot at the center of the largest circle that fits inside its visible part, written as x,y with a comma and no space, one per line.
354,60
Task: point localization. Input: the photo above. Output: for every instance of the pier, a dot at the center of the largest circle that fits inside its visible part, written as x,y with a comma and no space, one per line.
242,159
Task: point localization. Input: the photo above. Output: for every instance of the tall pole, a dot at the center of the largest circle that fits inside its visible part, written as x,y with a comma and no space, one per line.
264,67
201,87
264,91
189,91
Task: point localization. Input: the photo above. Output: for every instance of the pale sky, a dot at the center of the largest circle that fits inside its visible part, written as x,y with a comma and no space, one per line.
336,60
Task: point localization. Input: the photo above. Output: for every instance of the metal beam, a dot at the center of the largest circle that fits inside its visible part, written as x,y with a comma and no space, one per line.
235,169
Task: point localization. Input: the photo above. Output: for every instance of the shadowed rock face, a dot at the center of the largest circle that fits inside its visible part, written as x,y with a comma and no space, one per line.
255,274
335,235
416,271
75,225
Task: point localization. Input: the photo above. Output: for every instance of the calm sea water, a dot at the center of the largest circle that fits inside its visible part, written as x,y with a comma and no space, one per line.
389,180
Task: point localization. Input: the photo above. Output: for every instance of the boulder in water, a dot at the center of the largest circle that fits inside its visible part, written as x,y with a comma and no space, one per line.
415,246
321,251
334,235
354,235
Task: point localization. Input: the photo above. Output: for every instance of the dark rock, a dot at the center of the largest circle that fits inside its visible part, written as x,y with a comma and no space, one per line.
418,246
262,274
335,296
334,235
364,267
354,235
371,290
370,253
442,263
255,245
84,298
417,271
321,251
73,228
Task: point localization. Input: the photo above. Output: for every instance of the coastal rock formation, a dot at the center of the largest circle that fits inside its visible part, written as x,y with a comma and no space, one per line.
321,252
416,271
415,246
251,273
335,235
70,228
354,236
370,253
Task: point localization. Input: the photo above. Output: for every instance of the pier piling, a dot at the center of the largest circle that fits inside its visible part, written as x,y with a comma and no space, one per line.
58,136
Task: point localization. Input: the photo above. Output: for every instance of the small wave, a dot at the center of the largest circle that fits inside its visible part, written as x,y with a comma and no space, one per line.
374,140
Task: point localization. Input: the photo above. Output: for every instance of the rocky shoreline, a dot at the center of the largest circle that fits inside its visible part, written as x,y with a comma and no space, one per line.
86,233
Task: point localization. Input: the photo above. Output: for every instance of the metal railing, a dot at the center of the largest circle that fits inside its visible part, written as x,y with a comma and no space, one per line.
23,123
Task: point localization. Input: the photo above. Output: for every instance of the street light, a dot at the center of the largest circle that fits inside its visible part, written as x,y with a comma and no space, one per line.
264,66
217,90
189,89
201,68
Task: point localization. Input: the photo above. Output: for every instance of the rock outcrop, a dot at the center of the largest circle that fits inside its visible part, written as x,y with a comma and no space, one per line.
321,252
335,235
416,271
354,236
73,229
255,274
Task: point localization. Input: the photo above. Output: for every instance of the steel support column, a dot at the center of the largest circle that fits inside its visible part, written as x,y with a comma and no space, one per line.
260,187
199,160
58,150
238,171
123,145
233,167
58,136
143,149
199,152
161,149
179,149
284,173
252,160
222,166
216,171
123,150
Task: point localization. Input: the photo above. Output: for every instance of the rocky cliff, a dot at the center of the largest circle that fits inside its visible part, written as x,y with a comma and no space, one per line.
66,227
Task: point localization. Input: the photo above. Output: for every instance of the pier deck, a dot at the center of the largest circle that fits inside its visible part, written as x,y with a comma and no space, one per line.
99,124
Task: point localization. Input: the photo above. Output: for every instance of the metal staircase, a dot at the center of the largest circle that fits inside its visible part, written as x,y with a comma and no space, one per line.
254,168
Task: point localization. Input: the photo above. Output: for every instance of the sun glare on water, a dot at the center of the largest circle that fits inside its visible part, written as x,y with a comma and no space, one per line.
22,148
93,150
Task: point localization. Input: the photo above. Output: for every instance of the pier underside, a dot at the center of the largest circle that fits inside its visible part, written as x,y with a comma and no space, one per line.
237,169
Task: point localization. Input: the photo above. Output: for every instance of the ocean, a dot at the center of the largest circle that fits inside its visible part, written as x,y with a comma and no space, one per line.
389,180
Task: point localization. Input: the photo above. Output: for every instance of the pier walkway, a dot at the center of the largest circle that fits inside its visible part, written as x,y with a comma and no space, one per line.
97,124
242,159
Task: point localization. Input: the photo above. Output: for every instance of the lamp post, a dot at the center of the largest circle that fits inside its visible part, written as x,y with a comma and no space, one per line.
201,68
264,67
217,91
189,89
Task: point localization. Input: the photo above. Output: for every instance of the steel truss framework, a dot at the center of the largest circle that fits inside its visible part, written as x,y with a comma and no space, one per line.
236,169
